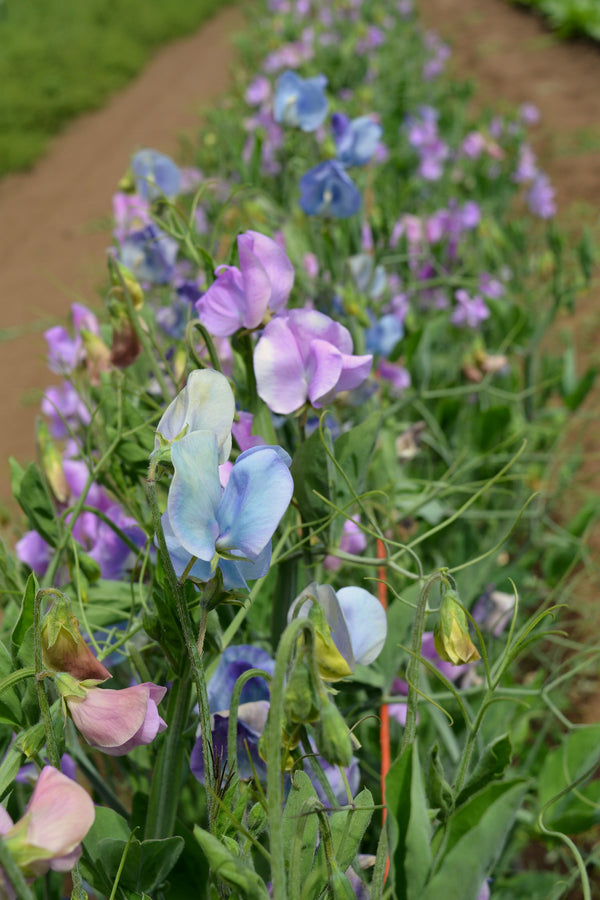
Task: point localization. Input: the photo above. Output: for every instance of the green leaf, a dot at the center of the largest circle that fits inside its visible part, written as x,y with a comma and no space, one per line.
490,427
33,498
578,753
348,828
493,764
409,828
583,386
147,863
438,788
400,616
312,470
10,701
25,620
230,868
300,827
475,835
353,451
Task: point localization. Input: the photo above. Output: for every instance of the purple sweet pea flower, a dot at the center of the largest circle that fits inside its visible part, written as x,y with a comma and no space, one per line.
305,355
131,213
149,254
65,409
356,140
233,662
352,541
33,550
66,352
258,91
540,197
397,376
204,521
242,432
155,175
240,298
326,190
300,102
469,312
252,718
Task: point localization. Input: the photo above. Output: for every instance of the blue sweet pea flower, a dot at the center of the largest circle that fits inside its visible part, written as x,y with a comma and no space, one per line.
383,335
233,662
300,102
149,254
231,528
356,140
326,190
155,175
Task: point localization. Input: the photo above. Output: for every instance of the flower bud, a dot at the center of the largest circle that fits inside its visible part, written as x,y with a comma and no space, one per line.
332,736
63,648
301,700
451,634
97,355
51,461
332,665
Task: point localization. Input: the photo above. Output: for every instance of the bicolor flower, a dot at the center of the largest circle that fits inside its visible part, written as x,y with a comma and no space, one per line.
356,140
326,190
48,836
300,102
305,355
155,175
206,403
231,527
352,629
113,721
240,298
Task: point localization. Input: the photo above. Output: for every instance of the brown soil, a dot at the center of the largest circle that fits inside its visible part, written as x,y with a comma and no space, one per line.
54,227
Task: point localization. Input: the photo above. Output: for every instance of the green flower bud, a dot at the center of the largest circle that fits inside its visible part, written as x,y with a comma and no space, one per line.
332,736
301,700
451,633
52,463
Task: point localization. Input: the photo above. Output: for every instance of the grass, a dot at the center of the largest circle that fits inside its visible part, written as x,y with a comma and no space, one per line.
63,57
570,18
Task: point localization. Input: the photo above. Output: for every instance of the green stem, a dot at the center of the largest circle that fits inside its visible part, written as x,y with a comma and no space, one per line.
166,777
183,613
243,343
51,745
414,665
14,874
273,734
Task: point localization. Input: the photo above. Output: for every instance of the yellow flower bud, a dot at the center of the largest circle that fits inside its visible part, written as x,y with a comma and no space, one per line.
451,634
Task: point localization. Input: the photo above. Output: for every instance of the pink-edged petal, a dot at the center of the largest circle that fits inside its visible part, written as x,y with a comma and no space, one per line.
109,718
279,269
222,308
324,367
279,368
195,493
255,281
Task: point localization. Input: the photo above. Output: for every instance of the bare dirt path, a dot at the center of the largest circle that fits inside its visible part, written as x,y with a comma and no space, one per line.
52,249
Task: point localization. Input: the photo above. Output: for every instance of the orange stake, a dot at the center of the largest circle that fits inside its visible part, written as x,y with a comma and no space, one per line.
384,730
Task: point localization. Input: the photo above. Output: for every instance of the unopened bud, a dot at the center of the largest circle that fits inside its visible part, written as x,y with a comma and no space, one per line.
52,463
332,665
97,355
332,736
451,634
301,700
63,648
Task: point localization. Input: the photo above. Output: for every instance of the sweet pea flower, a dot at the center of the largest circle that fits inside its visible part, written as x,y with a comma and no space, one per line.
155,175
113,721
240,298
300,102
65,409
48,836
252,718
206,403
65,352
149,254
231,527
352,541
326,190
469,311
540,197
354,630
305,355
356,140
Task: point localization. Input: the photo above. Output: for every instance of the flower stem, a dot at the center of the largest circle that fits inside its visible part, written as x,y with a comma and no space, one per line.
51,745
414,665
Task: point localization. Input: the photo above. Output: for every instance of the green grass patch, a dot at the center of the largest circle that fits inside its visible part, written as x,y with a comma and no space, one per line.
570,18
63,57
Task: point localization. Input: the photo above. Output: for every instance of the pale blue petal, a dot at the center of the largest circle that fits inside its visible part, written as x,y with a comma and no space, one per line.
366,621
195,493
256,497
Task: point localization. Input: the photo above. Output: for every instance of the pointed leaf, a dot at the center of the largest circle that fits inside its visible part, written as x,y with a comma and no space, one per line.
410,831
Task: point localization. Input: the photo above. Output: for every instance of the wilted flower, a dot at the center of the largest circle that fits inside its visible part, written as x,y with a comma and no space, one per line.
63,647
300,102
326,190
240,298
351,630
305,355
155,175
48,836
114,721
451,634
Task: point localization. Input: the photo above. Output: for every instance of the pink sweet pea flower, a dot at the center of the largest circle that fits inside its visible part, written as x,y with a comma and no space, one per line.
57,818
240,298
305,355
114,721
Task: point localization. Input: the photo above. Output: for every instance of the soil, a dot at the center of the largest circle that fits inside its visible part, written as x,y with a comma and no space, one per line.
54,225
